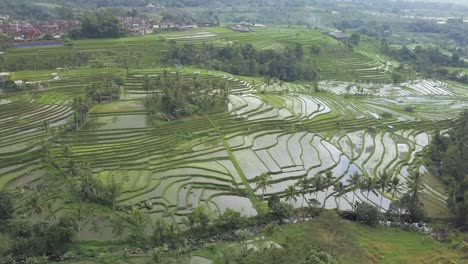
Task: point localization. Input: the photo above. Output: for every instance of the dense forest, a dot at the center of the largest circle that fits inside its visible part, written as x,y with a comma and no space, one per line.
289,65
173,98
448,155
427,61
102,24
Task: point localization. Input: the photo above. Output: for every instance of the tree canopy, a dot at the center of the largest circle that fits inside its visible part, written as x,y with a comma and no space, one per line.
101,24
448,155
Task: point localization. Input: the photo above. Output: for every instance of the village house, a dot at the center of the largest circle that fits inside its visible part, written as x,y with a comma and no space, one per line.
339,35
137,26
22,30
240,28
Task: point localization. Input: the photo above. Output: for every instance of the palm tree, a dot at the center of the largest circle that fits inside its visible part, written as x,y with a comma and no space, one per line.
395,186
263,182
317,182
34,203
452,191
304,186
328,181
368,184
414,184
382,184
118,227
340,189
291,193
354,182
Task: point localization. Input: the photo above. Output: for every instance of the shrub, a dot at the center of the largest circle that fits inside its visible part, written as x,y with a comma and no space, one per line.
319,257
387,115
231,219
279,210
5,245
37,260
368,214
6,209
271,228
38,239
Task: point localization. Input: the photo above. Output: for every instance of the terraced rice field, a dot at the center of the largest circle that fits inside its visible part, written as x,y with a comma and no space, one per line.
283,129
289,135
335,61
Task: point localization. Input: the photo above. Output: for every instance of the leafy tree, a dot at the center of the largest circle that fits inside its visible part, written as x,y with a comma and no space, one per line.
335,235
41,238
279,210
413,207
200,216
315,49
61,234
101,24
367,214
231,219
397,77
355,39
91,190
163,232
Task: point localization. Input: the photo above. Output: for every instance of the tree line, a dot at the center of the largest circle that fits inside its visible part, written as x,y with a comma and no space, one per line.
244,59
101,24
407,205
448,155
170,97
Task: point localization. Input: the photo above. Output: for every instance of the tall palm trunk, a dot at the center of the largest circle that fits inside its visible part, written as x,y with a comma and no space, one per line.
381,198
325,198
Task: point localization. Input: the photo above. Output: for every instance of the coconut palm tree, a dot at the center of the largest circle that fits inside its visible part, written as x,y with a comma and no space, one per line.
382,184
34,203
304,186
317,182
395,186
118,227
291,193
354,183
263,182
414,184
328,181
368,184
340,189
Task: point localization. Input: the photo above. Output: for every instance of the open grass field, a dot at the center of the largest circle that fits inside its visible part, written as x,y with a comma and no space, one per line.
377,245
382,245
